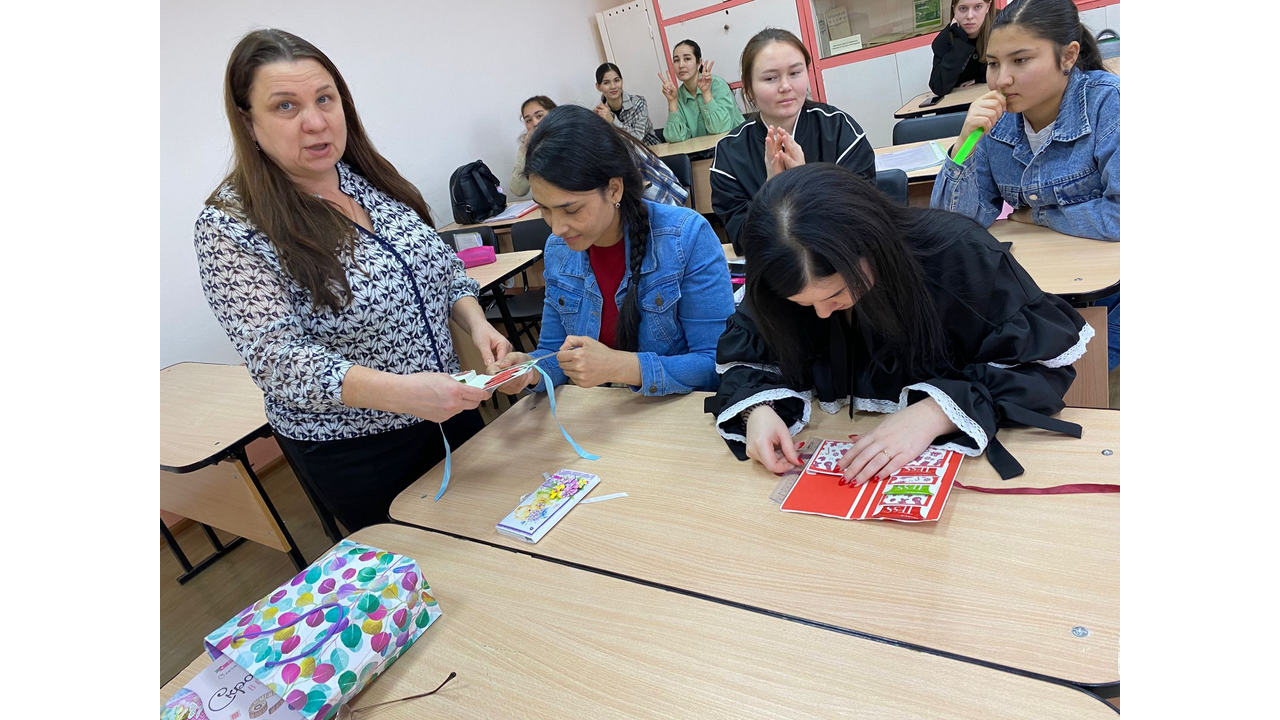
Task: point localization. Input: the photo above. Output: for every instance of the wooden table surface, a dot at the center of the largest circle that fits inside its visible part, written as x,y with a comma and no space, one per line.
1112,65
1001,578
508,264
205,409
699,144
498,225
958,98
529,638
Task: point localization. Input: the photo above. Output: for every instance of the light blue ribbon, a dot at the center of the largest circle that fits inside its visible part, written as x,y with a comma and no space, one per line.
551,397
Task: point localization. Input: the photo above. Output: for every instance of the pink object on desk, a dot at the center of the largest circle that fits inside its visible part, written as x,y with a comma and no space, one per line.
482,255
1005,212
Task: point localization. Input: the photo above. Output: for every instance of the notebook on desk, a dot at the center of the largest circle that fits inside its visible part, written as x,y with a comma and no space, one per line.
916,158
514,210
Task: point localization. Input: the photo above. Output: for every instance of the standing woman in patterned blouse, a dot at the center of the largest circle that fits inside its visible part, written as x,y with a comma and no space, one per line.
321,263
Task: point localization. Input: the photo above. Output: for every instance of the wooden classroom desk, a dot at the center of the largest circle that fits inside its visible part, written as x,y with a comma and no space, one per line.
501,228
692,146
1112,65
529,638
1078,269
700,165
1000,578
208,414
492,276
953,101
924,174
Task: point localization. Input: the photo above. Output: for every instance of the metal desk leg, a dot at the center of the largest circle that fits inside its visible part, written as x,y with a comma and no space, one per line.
190,570
294,553
508,322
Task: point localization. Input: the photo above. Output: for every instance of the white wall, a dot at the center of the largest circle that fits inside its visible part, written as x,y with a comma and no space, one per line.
438,84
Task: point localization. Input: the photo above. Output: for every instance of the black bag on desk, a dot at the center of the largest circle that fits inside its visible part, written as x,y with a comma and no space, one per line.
475,193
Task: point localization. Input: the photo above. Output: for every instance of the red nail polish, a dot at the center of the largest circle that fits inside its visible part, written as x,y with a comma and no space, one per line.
800,445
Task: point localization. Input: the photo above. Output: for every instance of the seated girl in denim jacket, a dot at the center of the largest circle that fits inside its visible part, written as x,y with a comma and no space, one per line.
637,292
1052,146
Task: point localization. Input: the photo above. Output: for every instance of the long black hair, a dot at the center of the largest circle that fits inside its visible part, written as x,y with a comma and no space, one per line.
820,220
575,150
1057,21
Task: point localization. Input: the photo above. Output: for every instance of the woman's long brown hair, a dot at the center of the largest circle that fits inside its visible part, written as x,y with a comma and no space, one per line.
310,235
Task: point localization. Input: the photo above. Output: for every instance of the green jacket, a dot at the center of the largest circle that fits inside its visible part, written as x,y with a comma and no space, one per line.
693,117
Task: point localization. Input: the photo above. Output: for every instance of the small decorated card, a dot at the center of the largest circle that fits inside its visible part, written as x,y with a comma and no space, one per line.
540,511
489,382
916,493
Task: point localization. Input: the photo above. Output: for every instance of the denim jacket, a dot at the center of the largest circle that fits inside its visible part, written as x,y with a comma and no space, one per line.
685,298
1072,186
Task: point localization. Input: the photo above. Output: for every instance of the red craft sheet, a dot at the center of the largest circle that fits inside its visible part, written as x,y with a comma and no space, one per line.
916,493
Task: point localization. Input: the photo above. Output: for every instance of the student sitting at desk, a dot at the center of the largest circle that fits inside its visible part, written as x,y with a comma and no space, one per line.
1052,122
960,50
1052,148
625,111
791,130
860,301
637,292
703,103
531,113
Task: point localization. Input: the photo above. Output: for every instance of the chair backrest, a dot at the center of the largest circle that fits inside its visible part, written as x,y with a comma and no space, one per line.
530,235
893,183
928,128
661,138
681,167
1091,387
467,237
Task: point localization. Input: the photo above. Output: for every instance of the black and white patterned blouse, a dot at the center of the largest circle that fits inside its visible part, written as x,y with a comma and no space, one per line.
404,282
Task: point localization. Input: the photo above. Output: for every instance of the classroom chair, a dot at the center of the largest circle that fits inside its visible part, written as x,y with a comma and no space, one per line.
661,138
526,308
682,168
928,128
893,183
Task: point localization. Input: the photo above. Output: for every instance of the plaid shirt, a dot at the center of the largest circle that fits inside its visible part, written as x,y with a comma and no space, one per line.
634,118
661,185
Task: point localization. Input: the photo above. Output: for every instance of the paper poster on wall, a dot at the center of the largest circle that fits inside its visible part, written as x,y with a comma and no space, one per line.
928,14
838,23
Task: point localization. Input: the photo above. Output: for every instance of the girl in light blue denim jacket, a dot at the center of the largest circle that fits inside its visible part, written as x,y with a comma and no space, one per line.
1052,148
637,292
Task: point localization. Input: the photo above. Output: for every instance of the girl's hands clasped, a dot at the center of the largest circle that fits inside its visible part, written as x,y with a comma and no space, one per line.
781,152
896,441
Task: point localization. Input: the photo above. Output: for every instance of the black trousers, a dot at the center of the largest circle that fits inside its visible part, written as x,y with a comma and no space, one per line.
358,478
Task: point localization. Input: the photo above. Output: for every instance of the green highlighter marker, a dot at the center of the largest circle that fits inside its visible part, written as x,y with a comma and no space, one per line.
967,148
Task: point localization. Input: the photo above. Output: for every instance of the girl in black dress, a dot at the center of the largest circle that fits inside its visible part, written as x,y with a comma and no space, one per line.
854,300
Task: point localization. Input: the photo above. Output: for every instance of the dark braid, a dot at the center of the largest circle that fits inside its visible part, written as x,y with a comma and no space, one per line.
575,150
636,218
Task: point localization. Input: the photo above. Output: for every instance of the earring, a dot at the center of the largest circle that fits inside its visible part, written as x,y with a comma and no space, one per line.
617,205
1067,71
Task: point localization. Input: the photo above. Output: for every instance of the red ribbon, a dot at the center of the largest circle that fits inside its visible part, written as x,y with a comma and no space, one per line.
1055,490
